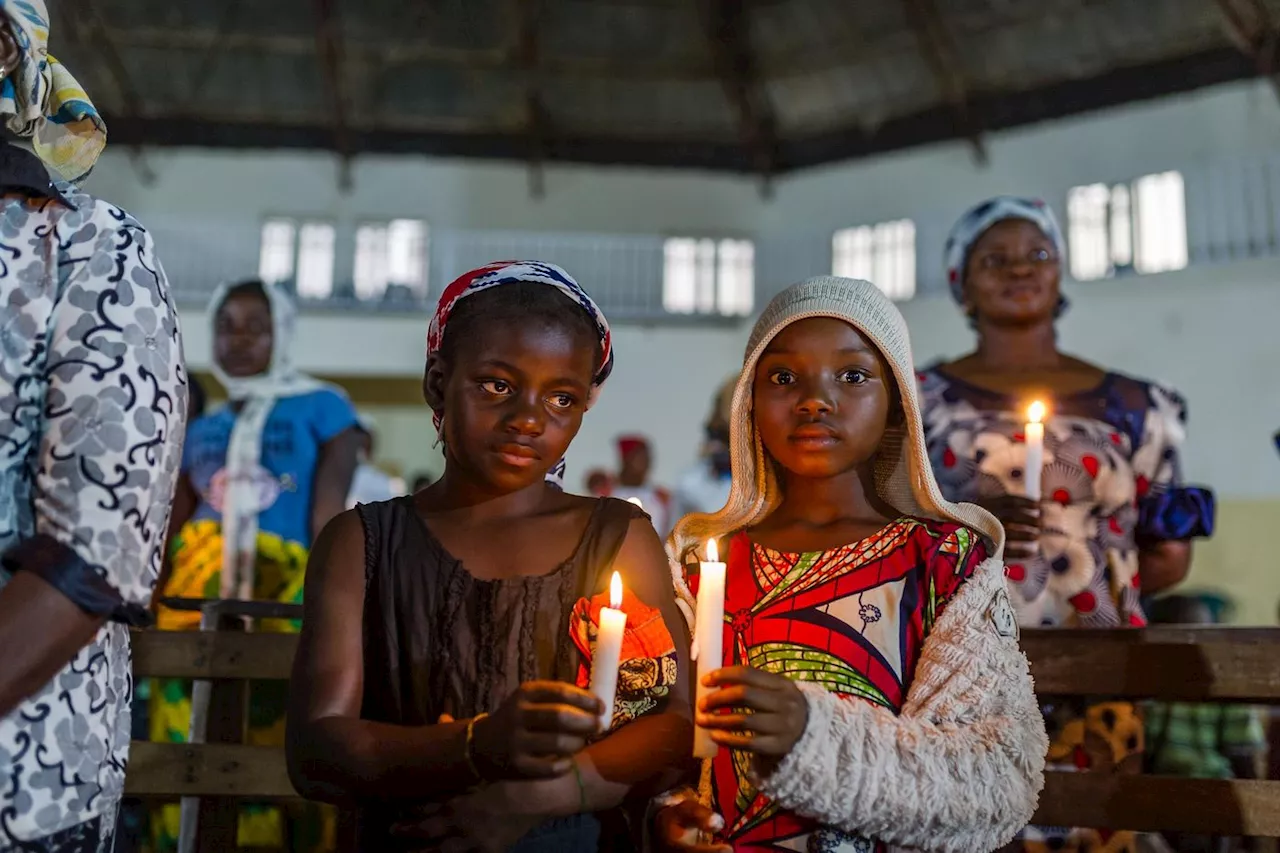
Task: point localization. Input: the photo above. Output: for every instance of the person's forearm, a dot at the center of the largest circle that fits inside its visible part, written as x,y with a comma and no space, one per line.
326,508
341,759
335,470
41,631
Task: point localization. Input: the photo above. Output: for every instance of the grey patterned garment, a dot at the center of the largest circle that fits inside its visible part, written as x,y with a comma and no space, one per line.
92,413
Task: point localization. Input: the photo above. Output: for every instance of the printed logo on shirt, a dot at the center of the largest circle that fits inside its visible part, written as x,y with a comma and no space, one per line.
266,488
1001,613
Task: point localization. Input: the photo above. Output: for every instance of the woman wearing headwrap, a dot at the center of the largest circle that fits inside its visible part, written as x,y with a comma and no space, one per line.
1114,519
260,477
93,402
441,679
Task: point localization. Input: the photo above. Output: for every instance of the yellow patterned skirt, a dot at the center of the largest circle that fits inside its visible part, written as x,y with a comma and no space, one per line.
197,573
1102,737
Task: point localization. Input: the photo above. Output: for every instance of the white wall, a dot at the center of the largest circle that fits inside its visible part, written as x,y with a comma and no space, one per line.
448,193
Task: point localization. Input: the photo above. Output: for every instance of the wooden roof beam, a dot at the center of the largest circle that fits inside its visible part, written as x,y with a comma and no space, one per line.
939,53
527,54
100,42
1255,34
329,49
213,51
728,35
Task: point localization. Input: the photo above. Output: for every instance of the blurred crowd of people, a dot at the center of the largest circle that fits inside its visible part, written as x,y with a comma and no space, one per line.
703,487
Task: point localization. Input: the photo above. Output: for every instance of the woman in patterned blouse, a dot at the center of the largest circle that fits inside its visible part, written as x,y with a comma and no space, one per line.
1114,521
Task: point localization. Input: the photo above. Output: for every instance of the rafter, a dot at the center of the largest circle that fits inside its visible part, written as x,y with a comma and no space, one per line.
213,51
526,51
329,48
1255,35
99,39
799,61
727,30
935,45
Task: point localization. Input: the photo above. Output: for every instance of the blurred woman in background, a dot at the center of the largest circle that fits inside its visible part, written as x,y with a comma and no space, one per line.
1113,519
705,486
261,476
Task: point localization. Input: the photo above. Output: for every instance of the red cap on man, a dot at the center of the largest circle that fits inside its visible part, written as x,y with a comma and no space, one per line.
628,444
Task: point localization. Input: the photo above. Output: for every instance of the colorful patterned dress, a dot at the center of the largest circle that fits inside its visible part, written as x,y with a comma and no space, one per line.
853,619
1111,481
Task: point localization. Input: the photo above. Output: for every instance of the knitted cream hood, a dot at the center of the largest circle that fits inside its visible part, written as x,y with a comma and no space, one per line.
903,476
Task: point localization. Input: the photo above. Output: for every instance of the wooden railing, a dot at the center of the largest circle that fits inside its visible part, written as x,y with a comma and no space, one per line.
1188,664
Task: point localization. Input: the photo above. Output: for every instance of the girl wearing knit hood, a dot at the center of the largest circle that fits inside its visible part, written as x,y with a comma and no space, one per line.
872,695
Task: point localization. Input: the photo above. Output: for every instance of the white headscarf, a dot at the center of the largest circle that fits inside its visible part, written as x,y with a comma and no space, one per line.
904,478
259,393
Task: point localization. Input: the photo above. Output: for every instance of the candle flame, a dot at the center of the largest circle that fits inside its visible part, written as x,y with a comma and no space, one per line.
636,501
1035,413
713,551
615,591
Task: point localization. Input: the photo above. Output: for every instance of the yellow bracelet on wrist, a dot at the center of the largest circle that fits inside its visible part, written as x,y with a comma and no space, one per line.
468,751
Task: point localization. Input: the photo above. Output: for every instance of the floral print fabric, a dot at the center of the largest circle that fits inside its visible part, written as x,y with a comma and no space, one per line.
92,409
1111,479
647,667
94,836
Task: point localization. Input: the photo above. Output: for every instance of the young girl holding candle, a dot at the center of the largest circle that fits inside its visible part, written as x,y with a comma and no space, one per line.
440,684
872,695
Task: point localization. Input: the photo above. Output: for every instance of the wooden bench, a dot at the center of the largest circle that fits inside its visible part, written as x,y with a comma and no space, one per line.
1188,664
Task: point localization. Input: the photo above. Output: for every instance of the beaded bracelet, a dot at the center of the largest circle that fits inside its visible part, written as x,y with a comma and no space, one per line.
470,746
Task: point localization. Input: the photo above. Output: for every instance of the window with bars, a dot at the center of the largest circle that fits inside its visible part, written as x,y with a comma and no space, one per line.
391,254
300,253
701,275
1139,226
883,254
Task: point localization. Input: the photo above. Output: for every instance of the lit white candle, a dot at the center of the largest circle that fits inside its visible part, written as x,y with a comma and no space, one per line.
1035,450
709,624
608,651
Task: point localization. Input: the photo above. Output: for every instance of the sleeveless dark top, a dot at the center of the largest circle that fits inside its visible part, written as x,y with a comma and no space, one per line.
438,640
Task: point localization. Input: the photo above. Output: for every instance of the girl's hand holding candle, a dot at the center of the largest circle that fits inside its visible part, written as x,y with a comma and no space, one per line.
708,644
608,651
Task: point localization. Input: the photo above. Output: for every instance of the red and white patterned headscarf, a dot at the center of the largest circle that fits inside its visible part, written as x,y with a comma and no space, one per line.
512,272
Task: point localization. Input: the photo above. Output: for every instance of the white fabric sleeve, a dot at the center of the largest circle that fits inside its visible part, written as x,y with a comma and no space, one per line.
960,769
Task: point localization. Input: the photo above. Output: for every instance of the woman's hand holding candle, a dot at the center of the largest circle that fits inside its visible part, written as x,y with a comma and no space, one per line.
1021,514
1020,518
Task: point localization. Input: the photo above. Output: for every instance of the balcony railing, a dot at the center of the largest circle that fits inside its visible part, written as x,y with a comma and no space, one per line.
1232,214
